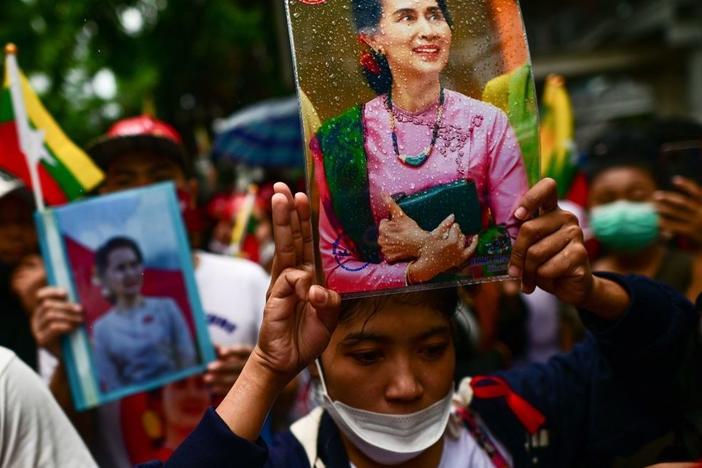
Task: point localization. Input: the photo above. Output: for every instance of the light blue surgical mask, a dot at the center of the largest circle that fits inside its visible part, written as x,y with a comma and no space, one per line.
625,226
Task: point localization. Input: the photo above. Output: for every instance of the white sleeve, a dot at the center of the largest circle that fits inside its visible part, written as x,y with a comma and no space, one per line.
47,365
34,432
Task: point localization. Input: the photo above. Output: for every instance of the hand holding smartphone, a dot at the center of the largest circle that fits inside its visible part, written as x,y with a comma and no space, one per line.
680,205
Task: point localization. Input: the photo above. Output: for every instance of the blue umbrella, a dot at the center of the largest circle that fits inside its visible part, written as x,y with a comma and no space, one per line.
265,134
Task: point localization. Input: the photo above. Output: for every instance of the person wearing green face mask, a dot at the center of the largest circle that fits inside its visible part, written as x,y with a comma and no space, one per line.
625,226
623,180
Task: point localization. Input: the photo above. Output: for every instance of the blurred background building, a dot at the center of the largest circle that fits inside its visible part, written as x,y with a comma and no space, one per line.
622,59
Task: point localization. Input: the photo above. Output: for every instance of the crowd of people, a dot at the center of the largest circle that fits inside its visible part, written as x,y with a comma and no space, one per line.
591,355
620,382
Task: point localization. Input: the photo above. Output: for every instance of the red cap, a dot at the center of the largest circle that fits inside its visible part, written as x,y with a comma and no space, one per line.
144,125
141,133
224,206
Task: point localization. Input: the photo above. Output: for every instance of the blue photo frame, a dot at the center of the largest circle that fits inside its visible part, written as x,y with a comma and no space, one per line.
151,217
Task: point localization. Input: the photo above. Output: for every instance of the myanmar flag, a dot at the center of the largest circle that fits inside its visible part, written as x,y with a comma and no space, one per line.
65,171
558,151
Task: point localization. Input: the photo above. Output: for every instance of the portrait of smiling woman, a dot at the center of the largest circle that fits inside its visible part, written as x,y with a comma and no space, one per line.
139,338
421,179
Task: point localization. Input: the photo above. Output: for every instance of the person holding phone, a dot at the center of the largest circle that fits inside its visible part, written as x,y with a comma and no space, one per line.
624,180
680,204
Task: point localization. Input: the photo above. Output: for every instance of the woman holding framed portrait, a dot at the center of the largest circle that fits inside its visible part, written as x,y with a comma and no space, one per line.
420,179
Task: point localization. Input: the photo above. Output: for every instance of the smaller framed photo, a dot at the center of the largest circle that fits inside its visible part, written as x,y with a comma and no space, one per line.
125,258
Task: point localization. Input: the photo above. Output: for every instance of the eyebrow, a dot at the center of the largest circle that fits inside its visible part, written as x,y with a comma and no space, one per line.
402,11
435,331
357,337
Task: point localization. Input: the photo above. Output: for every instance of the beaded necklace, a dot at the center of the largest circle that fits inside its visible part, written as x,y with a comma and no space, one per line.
415,160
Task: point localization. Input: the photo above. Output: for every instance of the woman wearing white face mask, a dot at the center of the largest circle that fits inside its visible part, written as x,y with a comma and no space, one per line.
387,367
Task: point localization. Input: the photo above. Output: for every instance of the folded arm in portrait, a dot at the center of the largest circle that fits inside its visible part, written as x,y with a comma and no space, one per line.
129,352
366,240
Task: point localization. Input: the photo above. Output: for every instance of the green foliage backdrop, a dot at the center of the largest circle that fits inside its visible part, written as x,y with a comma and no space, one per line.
190,60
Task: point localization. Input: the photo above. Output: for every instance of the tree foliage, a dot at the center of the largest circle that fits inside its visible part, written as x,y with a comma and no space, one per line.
190,61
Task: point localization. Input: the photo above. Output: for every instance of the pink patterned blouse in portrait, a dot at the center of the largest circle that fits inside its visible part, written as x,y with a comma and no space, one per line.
475,141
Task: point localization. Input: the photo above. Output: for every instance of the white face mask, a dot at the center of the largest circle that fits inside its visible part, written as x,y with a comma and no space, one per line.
389,439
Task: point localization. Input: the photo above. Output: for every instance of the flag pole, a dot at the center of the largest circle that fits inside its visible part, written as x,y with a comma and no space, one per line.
31,141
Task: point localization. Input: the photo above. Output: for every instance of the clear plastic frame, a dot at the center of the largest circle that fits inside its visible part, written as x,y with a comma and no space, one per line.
421,129
125,258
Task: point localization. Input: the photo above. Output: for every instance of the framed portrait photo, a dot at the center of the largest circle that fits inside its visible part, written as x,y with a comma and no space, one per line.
421,136
125,258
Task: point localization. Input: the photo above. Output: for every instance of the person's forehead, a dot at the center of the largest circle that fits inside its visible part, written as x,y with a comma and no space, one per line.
124,253
394,320
14,205
137,161
622,176
390,6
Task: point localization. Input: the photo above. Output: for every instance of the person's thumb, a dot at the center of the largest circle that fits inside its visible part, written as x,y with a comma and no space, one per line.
327,304
393,208
445,225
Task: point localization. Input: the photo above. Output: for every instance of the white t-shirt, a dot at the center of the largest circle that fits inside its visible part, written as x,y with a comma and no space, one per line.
463,451
34,431
233,293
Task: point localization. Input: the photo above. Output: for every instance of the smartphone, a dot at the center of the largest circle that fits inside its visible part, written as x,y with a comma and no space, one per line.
682,158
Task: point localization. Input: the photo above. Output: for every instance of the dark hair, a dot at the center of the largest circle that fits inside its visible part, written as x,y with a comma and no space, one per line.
676,130
367,15
103,252
443,301
623,146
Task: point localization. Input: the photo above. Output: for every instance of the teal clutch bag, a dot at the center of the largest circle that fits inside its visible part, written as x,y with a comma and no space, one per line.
431,206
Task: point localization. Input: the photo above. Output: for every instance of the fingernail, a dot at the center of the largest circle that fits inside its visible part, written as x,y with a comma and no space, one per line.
321,294
521,213
678,179
513,271
658,195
